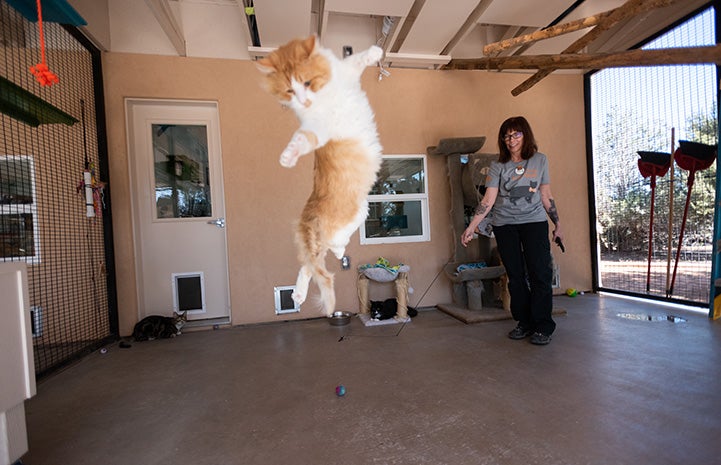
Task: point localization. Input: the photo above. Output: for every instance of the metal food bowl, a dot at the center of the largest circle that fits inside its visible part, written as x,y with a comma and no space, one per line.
339,318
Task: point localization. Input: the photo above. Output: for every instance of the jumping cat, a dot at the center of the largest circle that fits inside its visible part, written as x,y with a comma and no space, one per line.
337,122
159,327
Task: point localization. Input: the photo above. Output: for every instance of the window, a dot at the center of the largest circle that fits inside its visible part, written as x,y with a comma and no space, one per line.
18,210
398,202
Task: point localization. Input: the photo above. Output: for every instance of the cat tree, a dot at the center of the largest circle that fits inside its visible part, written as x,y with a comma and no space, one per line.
479,293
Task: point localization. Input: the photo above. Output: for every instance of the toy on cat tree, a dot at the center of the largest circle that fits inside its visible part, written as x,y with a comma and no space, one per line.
475,272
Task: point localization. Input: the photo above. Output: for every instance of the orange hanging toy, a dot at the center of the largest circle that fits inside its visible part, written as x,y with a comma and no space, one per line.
41,71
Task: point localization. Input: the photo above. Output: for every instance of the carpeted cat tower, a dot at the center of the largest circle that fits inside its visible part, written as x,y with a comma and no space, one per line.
476,273
480,285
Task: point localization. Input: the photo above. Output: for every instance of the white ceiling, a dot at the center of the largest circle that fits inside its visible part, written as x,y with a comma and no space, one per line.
422,34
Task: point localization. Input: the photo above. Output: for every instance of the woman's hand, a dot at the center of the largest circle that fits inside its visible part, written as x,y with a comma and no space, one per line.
467,236
557,233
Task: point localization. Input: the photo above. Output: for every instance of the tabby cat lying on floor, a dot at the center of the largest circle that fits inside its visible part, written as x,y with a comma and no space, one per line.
387,309
159,327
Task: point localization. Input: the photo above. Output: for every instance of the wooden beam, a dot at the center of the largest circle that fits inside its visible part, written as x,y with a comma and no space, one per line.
322,16
162,12
655,57
553,31
630,8
408,24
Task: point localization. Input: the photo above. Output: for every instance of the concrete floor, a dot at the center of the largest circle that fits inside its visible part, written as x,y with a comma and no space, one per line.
607,390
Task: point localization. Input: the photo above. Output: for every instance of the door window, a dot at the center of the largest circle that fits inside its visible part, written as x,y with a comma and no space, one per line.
182,184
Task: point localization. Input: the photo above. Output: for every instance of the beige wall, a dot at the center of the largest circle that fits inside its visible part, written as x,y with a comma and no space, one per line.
414,109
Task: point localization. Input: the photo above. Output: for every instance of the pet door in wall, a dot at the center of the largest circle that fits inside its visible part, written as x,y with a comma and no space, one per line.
189,293
284,302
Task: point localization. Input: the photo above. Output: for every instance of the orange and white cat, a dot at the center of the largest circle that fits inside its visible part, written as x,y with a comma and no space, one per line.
337,122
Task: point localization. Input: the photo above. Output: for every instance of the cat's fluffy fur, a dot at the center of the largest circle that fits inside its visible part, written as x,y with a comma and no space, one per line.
337,122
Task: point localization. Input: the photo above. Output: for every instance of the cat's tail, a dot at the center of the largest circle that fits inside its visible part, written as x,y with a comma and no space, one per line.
312,257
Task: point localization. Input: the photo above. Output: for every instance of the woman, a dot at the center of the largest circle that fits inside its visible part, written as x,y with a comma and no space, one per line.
518,192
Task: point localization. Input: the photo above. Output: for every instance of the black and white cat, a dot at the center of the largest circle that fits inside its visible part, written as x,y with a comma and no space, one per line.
384,310
159,327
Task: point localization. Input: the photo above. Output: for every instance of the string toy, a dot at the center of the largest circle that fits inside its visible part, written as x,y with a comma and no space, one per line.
387,23
41,71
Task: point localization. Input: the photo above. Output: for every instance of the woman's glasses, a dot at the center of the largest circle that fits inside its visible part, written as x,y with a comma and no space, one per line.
514,136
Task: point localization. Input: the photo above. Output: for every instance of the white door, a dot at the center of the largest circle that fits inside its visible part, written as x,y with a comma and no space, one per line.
178,208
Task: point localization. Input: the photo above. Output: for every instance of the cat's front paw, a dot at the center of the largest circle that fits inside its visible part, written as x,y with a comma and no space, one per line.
289,157
298,145
375,53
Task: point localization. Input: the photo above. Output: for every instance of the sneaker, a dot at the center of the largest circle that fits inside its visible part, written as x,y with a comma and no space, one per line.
540,339
519,332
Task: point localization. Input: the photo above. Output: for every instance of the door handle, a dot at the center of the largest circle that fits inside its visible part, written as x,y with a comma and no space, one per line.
219,222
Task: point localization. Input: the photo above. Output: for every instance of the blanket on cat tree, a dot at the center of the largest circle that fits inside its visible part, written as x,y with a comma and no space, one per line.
382,271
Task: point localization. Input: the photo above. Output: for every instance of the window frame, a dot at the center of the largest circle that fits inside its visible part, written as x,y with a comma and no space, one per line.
19,209
423,198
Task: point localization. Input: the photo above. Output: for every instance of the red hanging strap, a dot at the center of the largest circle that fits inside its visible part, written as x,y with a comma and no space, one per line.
41,71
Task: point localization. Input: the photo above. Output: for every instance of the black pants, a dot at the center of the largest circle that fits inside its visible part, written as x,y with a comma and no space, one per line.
526,254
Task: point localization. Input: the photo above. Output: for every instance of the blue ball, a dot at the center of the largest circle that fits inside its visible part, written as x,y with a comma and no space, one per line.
340,390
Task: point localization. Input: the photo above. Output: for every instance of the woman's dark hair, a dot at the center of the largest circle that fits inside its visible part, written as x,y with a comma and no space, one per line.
516,123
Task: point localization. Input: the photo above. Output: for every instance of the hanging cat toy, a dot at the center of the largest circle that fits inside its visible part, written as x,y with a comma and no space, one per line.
41,71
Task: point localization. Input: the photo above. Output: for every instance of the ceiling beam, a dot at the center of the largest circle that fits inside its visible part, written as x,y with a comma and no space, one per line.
630,58
415,60
163,13
407,24
553,31
467,26
628,9
515,31
322,16
244,21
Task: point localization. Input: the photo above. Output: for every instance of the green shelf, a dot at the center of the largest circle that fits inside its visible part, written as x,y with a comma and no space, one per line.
24,106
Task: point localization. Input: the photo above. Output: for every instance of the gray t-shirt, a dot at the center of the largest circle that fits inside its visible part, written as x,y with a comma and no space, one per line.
519,194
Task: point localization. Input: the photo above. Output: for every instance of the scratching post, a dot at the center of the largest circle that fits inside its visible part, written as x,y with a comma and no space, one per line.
363,302
402,295
480,293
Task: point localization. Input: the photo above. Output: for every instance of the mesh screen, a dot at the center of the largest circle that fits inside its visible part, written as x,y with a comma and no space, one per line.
43,216
643,109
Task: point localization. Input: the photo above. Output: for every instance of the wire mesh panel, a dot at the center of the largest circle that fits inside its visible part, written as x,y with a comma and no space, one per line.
646,110
51,194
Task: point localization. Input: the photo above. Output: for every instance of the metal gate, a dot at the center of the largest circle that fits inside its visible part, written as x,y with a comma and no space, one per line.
648,111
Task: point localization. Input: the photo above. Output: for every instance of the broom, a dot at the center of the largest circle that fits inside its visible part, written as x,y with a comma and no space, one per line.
692,157
652,164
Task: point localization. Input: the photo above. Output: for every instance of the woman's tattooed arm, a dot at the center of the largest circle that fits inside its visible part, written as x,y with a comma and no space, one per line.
480,209
552,212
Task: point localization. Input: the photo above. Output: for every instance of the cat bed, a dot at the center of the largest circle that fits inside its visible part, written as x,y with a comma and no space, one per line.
368,321
382,272
462,145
